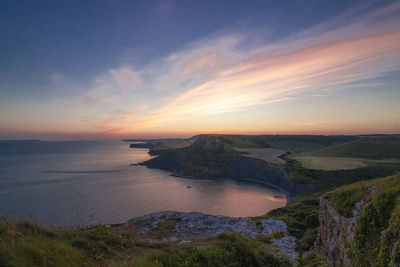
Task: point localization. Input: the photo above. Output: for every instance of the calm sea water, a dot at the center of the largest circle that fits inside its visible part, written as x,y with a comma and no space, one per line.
64,182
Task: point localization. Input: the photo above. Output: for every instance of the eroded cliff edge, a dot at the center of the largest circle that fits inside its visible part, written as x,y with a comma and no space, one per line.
360,224
334,233
208,157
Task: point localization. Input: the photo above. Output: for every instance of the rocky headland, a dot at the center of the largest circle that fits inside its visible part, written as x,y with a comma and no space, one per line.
182,227
209,157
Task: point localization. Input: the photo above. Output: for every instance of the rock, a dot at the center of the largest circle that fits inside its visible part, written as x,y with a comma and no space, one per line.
272,225
371,188
195,224
287,245
334,231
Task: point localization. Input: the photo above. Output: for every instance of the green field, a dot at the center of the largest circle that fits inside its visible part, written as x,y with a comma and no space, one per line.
377,150
267,154
336,163
292,143
377,147
329,163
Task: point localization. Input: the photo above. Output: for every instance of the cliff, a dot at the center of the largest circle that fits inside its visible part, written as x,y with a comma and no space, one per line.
334,232
360,224
209,157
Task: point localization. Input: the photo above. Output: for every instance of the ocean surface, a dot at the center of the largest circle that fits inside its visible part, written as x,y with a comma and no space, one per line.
66,183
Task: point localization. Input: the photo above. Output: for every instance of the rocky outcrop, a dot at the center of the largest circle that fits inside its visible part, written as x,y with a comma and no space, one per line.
208,157
197,225
334,232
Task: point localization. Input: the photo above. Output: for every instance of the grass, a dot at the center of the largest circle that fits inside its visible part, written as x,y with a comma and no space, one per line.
329,163
377,233
268,238
311,260
165,227
377,148
344,198
225,250
312,180
161,148
301,214
293,143
25,243
304,143
270,155
338,163
301,217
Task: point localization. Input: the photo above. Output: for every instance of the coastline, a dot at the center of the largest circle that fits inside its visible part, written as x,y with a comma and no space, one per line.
176,174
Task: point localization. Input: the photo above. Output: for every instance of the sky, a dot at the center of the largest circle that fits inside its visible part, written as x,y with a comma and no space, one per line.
168,68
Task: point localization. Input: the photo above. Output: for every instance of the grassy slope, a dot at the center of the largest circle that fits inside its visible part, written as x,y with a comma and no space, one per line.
382,147
329,163
270,155
27,244
301,217
377,234
301,214
294,143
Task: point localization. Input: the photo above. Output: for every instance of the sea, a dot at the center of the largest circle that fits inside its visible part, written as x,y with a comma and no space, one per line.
90,182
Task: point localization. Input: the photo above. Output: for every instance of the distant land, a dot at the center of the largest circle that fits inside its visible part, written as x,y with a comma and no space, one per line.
21,140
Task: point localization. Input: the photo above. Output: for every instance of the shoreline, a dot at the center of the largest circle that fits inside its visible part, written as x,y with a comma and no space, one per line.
175,174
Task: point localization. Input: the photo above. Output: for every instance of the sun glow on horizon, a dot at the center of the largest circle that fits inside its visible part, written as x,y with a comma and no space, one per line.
338,76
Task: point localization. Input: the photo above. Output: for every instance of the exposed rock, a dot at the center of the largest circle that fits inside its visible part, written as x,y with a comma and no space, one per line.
287,245
195,224
371,188
272,225
208,157
335,230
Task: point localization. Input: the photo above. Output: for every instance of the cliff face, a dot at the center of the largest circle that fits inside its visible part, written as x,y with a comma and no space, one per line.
335,231
360,224
208,157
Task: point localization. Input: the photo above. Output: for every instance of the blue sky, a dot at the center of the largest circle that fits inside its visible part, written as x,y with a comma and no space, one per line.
94,69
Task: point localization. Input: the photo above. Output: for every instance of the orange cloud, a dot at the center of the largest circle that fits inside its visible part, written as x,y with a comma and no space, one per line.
267,77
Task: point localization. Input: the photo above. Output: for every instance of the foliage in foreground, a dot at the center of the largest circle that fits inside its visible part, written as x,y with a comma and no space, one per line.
377,234
301,217
24,243
311,260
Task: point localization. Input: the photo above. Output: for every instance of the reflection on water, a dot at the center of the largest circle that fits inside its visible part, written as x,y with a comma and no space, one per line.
59,182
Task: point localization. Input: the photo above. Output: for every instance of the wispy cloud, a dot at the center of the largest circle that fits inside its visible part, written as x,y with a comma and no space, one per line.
216,75
269,75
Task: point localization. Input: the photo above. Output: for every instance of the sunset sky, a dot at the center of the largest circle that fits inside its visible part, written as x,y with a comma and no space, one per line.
117,69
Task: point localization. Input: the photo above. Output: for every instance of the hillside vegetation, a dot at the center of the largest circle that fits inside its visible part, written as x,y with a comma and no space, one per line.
24,243
365,151
376,147
218,152
270,155
293,143
377,233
